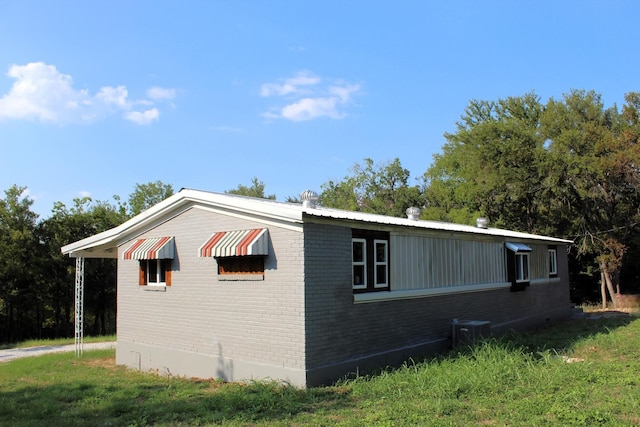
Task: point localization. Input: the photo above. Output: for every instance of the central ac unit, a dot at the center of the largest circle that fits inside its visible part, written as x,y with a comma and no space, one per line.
468,332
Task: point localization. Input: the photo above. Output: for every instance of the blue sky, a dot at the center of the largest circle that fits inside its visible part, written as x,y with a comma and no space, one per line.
98,96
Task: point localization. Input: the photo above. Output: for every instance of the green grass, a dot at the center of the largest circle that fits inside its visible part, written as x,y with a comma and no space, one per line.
517,380
57,341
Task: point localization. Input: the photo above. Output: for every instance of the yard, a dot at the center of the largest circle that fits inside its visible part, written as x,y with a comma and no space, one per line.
581,372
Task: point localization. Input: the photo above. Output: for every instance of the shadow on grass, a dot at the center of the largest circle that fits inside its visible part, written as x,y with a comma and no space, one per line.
173,401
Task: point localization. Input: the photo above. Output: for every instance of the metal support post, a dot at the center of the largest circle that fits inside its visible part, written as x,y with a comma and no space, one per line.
79,306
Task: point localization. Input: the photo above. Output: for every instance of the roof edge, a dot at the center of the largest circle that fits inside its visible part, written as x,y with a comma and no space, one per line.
253,206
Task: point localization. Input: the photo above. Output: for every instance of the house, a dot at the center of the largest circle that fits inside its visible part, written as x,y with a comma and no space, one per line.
220,285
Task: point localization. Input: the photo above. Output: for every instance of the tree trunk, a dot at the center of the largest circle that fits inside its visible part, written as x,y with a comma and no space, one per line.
603,290
606,276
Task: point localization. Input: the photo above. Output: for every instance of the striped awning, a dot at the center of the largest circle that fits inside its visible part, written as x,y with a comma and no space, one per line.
156,248
237,243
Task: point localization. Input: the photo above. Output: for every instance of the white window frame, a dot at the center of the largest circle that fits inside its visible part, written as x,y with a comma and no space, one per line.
384,263
159,264
522,260
553,262
363,264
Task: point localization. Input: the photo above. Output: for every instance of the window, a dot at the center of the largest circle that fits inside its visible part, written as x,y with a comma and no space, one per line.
155,272
522,267
370,260
553,261
154,256
381,264
518,265
240,254
359,261
242,265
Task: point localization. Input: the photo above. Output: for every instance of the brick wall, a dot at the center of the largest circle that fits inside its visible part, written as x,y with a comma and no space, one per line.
260,322
339,330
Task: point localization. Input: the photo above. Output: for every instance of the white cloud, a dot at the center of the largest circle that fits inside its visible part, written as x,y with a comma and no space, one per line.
41,92
116,96
311,108
161,93
143,117
307,97
293,85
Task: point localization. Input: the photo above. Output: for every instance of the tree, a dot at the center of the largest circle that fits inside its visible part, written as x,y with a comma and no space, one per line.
146,195
566,168
490,166
85,218
21,307
255,190
593,177
382,189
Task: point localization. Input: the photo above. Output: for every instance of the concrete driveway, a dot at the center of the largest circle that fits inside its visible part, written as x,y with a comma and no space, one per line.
18,353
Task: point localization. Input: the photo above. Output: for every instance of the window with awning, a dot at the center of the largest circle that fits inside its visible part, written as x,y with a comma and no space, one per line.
240,254
154,256
518,264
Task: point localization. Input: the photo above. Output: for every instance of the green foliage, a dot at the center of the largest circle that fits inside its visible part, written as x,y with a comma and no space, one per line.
565,168
146,195
255,190
491,166
85,218
382,189
20,265
519,379
36,279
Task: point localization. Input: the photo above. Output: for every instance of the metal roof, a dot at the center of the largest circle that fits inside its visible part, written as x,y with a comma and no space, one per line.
104,245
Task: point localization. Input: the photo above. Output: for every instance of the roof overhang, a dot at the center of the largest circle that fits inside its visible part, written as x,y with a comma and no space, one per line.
105,244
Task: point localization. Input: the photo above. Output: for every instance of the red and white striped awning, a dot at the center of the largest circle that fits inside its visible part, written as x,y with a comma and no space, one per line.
155,248
237,243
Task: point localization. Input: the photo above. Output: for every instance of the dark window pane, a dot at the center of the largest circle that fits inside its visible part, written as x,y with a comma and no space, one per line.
163,270
241,265
381,275
358,275
358,251
381,253
152,271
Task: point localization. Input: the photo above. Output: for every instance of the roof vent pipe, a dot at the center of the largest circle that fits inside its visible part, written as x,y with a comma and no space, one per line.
413,213
482,222
309,199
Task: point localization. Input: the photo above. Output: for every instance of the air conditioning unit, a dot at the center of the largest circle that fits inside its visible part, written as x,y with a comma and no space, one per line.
468,332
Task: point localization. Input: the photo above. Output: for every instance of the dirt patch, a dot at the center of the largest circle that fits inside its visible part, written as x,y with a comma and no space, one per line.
630,301
104,362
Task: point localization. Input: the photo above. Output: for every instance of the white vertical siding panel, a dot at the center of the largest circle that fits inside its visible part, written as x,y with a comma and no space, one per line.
423,262
538,261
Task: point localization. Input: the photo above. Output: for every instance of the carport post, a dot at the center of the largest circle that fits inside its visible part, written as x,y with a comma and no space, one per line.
79,306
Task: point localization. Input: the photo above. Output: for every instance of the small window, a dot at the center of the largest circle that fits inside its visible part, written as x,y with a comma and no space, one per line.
241,268
155,272
370,260
553,262
381,264
518,255
522,267
359,262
